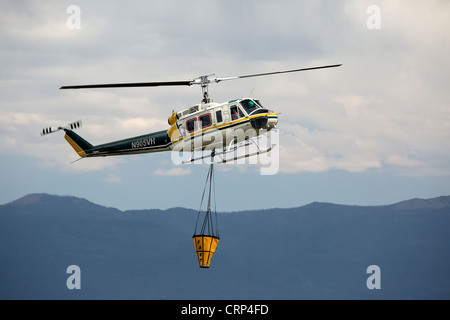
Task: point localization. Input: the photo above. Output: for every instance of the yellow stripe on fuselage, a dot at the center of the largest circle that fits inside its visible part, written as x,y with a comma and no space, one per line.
222,125
80,151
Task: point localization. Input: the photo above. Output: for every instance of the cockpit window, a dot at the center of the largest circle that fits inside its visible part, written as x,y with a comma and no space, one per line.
249,106
259,104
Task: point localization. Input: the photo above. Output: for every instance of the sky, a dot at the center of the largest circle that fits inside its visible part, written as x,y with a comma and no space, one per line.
374,131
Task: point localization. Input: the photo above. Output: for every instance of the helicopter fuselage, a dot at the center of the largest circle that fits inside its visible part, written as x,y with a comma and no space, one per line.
204,126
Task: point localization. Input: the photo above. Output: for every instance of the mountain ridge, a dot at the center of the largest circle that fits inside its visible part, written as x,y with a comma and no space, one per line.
317,251
440,202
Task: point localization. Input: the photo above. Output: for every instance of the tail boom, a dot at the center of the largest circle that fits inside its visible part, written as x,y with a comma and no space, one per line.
153,142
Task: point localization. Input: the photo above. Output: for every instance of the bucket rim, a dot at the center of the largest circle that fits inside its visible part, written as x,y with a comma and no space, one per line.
205,235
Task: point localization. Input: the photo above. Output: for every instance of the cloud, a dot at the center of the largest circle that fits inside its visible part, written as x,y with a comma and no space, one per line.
386,108
172,172
303,150
113,179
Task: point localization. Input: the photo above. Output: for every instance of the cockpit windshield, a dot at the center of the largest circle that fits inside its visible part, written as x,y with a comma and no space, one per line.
249,106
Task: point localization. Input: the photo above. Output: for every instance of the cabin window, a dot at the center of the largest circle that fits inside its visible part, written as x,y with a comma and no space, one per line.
236,112
219,116
191,125
205,120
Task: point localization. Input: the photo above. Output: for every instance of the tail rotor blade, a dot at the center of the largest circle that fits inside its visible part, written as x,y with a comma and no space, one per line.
74,125
49,130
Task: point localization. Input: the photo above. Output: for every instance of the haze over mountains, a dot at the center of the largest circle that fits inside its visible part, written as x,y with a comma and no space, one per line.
318,251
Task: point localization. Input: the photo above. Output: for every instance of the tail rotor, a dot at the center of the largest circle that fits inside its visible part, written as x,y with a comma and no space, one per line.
70,126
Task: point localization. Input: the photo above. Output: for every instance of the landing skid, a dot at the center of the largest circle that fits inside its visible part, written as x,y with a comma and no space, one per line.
247,155
223,154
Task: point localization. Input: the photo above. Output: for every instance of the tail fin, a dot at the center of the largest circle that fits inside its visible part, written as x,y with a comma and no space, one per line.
78,143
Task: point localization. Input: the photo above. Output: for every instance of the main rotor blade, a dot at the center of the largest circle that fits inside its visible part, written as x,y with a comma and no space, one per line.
202,80
130,85
276,72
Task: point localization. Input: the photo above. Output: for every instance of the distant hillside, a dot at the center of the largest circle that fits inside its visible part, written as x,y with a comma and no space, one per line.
318,251
419,204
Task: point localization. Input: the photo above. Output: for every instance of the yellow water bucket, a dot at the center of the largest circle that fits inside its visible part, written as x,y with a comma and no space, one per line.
205,246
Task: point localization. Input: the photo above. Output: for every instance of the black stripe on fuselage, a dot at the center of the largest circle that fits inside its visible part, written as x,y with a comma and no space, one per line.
153,142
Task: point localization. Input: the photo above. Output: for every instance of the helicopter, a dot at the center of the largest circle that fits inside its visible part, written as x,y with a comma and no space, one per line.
220,127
